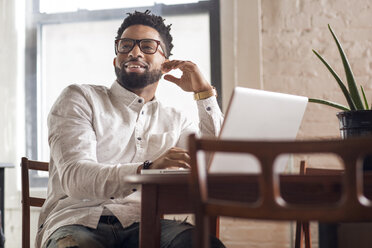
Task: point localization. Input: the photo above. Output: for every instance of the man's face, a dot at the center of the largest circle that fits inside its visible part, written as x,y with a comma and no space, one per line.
136,69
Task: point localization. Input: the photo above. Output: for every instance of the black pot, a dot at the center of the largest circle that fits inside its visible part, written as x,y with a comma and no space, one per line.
354,124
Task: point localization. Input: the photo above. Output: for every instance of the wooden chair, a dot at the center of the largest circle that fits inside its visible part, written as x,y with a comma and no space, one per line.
303,227
351,206
303,232
27,200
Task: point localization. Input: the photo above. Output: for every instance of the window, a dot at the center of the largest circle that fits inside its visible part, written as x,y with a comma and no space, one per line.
57,6
56,43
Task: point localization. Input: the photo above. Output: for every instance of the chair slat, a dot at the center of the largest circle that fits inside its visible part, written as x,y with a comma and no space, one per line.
28,201
36,202
36,165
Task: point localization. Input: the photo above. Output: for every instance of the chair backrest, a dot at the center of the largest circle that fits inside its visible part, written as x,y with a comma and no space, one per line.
303,232
270,205
27,200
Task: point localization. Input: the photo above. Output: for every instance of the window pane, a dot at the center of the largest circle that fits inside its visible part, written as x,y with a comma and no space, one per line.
55,6
67,58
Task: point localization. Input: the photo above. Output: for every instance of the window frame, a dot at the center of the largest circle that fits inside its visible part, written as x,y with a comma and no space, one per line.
34,22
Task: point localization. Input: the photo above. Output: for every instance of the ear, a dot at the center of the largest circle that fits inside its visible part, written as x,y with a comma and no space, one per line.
162,70
114,62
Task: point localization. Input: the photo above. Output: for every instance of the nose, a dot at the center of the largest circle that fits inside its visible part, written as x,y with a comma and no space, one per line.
135,52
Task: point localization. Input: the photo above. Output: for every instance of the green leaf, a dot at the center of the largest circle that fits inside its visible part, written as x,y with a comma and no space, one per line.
364,97
349,74
339,81
329,103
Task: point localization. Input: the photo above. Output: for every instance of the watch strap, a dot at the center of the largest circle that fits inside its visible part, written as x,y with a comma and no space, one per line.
146,165
205,94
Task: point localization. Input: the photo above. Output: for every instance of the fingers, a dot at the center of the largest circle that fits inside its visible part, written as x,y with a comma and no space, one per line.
177,149
170,65
174,158
172,79
178,64
176,153
176,164
179,156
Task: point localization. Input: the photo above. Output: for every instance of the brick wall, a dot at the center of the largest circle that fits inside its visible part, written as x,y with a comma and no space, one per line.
290,30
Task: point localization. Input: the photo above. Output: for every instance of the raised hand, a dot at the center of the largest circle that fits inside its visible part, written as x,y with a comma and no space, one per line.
192,79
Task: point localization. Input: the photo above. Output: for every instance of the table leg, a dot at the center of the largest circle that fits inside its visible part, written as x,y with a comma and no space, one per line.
214,226
150,218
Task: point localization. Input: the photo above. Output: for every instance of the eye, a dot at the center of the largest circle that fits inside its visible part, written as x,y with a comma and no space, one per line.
125,45
148,45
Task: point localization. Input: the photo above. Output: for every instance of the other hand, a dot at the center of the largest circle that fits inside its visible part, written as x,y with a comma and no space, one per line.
174,158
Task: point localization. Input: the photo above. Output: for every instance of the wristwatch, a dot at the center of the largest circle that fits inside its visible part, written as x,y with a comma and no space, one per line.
146,165
205,94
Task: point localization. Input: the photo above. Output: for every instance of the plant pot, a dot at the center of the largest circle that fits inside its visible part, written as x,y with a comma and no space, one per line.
354,124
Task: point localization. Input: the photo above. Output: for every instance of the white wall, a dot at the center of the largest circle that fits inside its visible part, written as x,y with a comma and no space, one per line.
11,111
240,46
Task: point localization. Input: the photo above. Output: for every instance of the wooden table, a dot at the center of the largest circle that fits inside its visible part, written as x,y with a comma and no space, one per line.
169,194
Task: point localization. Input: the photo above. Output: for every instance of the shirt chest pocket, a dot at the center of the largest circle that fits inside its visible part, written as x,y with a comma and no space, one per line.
160,142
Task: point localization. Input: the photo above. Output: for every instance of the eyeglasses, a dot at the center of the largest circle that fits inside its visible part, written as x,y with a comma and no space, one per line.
147,46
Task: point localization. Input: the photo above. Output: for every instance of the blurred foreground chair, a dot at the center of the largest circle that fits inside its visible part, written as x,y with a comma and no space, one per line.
27,200
351,206
303,232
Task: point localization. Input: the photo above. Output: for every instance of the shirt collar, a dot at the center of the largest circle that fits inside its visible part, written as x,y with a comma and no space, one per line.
127,97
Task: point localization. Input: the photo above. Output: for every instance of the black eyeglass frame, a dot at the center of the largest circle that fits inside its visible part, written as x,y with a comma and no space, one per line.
137,42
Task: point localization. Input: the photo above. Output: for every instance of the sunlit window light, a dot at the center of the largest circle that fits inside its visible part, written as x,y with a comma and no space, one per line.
55,6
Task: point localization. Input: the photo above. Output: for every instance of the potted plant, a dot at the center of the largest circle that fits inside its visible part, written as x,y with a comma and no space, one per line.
356,118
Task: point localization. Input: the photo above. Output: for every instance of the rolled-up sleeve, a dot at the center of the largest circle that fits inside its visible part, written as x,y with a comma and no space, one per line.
210,115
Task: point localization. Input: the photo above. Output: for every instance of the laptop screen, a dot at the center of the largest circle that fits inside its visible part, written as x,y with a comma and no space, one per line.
258,115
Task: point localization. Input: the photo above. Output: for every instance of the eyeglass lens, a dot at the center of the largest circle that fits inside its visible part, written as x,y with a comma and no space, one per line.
146,46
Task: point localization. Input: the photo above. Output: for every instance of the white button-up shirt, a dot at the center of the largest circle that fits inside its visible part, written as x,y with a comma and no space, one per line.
97,136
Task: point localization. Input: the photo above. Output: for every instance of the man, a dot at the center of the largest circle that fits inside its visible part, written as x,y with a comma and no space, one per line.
98,135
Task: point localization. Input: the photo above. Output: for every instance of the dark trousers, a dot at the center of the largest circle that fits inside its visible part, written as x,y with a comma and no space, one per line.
111,234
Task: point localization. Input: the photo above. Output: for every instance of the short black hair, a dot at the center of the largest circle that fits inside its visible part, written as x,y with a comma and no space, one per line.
151,20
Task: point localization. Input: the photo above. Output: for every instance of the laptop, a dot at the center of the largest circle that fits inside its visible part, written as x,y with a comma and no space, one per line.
254,115
258,115
165,171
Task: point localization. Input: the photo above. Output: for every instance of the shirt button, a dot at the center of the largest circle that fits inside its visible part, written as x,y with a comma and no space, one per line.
209,108
134,190
139,100
142,112
112,198
139,138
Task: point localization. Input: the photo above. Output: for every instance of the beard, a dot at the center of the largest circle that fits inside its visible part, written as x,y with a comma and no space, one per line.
135,81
